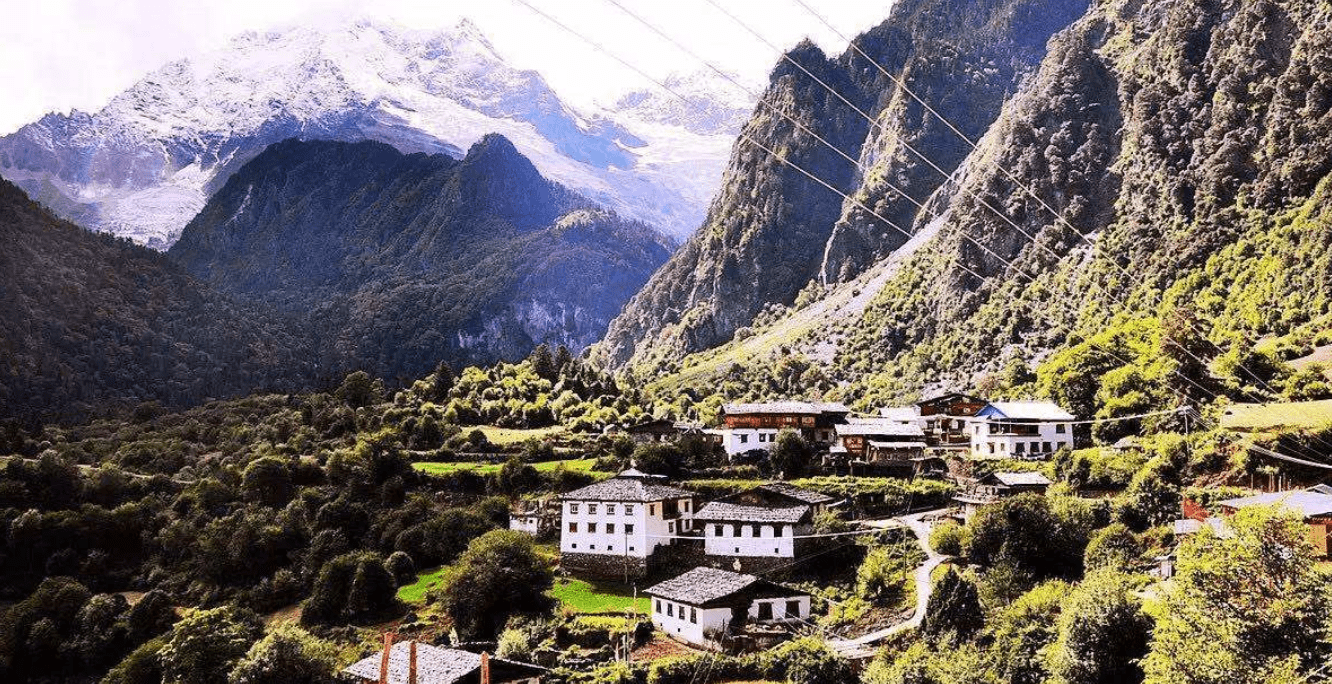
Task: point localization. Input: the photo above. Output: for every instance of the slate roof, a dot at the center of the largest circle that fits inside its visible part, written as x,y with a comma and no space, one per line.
434,665
1028,410
897,445
869,427
702,586
899,413
1306,503
1021,479
796,493
630,485
722,511
785,407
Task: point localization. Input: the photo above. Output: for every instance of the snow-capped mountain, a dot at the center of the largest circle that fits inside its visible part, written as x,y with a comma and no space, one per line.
716,105
146,163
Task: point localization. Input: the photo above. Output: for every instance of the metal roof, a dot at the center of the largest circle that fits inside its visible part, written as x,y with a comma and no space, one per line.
1021,479
1306,503
1027,410
879,426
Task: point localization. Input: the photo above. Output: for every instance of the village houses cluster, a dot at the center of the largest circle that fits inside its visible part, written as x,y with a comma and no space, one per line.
637,524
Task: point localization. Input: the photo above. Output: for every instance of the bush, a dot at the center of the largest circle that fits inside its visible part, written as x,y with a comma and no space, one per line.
203,647
946,538
352,587
954,610
883,575
807,660
402,568
287,655
499,575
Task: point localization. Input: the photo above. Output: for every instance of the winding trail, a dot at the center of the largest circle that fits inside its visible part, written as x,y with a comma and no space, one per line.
863,646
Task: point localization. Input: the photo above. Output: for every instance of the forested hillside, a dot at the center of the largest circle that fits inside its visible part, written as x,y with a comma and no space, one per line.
394,261
774,231
1184,148
92,322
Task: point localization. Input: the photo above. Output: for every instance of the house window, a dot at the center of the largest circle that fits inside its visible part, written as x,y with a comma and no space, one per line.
1003,446
652,509
1019,448
1047,448
592,547
670,609
658,605
573,546
1060,428
591,509
744,439
628,509
592,528
992,447
670,527
610,528
1035,447
685,503
717,531
610,509
573,527
628,529
757,532
765,611
631,548
573,508
693,615
777,530
793,609
737,550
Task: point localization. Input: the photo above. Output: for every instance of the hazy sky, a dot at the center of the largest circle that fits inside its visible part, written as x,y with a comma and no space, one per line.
59,55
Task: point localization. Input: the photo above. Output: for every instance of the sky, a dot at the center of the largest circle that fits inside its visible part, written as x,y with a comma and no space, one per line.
59,55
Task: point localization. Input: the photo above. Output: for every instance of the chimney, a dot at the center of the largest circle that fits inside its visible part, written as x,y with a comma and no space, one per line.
411,662
384,659
485,668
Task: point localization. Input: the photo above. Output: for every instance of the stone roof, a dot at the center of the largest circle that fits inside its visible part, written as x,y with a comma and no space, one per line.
1306,503
805,495
722,511
1021,479
434,665
900,413
630,485
785,407
1029,410
702,586
897,445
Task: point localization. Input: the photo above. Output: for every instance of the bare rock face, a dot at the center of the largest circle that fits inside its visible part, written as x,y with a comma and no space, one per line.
772,230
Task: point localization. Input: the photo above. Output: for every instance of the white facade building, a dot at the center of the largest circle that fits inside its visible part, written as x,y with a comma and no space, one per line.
1020,429
766,521
739,440
705,605
626,517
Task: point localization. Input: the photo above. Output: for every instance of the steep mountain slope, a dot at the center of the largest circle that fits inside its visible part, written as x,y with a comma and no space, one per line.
395,261
92,321
144,165
772,231
1186,149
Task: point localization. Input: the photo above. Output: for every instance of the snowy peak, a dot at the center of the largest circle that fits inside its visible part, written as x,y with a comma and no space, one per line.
713,103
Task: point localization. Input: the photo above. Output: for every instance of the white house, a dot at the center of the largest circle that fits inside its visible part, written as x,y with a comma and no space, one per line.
764,522
1020,429
708,606
612,527
746,427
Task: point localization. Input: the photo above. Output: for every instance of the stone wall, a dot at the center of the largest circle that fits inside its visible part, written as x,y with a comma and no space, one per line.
603,566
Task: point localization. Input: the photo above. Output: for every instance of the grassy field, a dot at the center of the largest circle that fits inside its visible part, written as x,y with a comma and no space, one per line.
599,597
581,465
415,592
1278,416
506,437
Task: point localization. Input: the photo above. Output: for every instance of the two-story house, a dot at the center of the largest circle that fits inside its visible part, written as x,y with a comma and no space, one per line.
746,427
761,527
612,528
1020,429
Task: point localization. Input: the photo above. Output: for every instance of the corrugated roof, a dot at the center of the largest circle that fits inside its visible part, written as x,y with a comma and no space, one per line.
631,485
1307,504
434,665
721,511
785,407
1030,410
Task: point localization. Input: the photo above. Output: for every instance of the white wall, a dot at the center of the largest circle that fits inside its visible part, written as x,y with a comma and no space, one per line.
739,440
680,626
779,613
766,544
650,528
1005,445
530,524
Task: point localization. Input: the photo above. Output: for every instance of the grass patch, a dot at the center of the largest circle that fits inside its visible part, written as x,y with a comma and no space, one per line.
579,465
415,593
506,437
1278,416
597,597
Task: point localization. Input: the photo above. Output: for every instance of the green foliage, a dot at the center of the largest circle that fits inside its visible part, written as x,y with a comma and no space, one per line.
954,612
885,573
791,455
806,660
946,538
500,575
1243,606
204,647
1024,630
1043,536
287,655
1114,547
1103,633
351,588
267,481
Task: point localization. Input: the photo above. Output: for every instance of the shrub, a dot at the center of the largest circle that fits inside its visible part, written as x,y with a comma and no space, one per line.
946,538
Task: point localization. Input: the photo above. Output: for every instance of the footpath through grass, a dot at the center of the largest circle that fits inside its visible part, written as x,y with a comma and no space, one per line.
578,465
597,597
